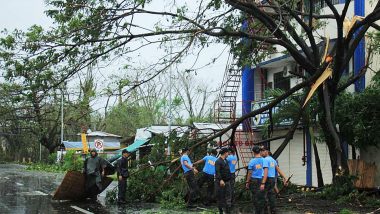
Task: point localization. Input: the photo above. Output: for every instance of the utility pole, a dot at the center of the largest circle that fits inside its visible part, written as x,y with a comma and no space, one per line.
61,116
60,152
170,97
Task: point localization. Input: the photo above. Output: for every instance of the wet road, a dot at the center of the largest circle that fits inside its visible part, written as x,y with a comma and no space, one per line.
23,191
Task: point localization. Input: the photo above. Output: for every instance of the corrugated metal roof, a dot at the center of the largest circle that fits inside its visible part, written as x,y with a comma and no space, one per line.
146,133
101,134
165,130
207,128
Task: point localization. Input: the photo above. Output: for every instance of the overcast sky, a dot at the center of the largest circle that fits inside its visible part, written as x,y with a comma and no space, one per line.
22,14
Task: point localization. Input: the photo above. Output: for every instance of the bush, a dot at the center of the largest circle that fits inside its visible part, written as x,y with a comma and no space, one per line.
144,185
343,186
52,158
172,199
111,196
241,193
45,167
346,211
72,161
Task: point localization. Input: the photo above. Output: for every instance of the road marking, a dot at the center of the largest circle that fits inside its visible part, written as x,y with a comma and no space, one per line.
40,193
81,210
19,184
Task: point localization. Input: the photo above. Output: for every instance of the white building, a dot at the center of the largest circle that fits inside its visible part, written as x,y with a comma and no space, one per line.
298,157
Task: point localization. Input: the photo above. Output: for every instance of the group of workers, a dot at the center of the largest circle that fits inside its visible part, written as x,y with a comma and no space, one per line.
220,173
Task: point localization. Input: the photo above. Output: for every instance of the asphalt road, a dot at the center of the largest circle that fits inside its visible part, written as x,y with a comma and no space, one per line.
23,191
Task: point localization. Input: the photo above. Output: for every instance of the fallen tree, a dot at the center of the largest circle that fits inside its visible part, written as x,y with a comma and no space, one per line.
98,31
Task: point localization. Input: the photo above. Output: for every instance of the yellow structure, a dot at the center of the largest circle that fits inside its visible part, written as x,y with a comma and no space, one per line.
84,143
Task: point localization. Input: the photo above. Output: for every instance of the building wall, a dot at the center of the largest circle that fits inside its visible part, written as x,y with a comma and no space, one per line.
330,27
290,160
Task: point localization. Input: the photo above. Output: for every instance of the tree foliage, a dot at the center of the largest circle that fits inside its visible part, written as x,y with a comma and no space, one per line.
88,32
358,116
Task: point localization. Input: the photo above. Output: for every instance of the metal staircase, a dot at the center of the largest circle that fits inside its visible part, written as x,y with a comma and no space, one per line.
243,144
225,111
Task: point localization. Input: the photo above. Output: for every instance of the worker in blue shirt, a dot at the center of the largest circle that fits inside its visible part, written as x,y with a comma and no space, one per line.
208,174
271,181
189,172
256,179
232,161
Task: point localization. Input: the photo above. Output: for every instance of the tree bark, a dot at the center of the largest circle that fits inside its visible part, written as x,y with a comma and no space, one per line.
318,166
338,161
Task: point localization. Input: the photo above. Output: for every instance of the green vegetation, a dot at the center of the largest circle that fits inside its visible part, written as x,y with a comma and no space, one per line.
346,211
353,113
71,161
148,183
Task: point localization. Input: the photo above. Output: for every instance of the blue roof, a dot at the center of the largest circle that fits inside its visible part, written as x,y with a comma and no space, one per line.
273,60
77,145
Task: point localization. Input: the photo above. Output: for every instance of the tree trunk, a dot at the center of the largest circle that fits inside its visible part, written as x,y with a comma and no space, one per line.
333,152
49,144
318,166
326,122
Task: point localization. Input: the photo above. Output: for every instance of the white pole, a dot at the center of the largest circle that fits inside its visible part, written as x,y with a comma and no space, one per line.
40,152
61,116
170,96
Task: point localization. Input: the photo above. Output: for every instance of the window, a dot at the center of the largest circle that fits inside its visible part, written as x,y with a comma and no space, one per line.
281,82
318,4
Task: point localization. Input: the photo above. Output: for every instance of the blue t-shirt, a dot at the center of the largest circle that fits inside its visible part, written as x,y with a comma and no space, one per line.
272,163
186,158
232,160
257,166
209,167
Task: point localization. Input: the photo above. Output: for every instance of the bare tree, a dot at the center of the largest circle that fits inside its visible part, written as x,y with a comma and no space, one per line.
195,95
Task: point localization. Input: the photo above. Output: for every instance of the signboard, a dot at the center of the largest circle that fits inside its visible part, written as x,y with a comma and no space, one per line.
99,145
260,119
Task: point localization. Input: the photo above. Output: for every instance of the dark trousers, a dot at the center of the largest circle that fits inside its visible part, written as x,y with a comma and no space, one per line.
270,194
258,195
232,181
193,187
122,189
209,179
223,195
